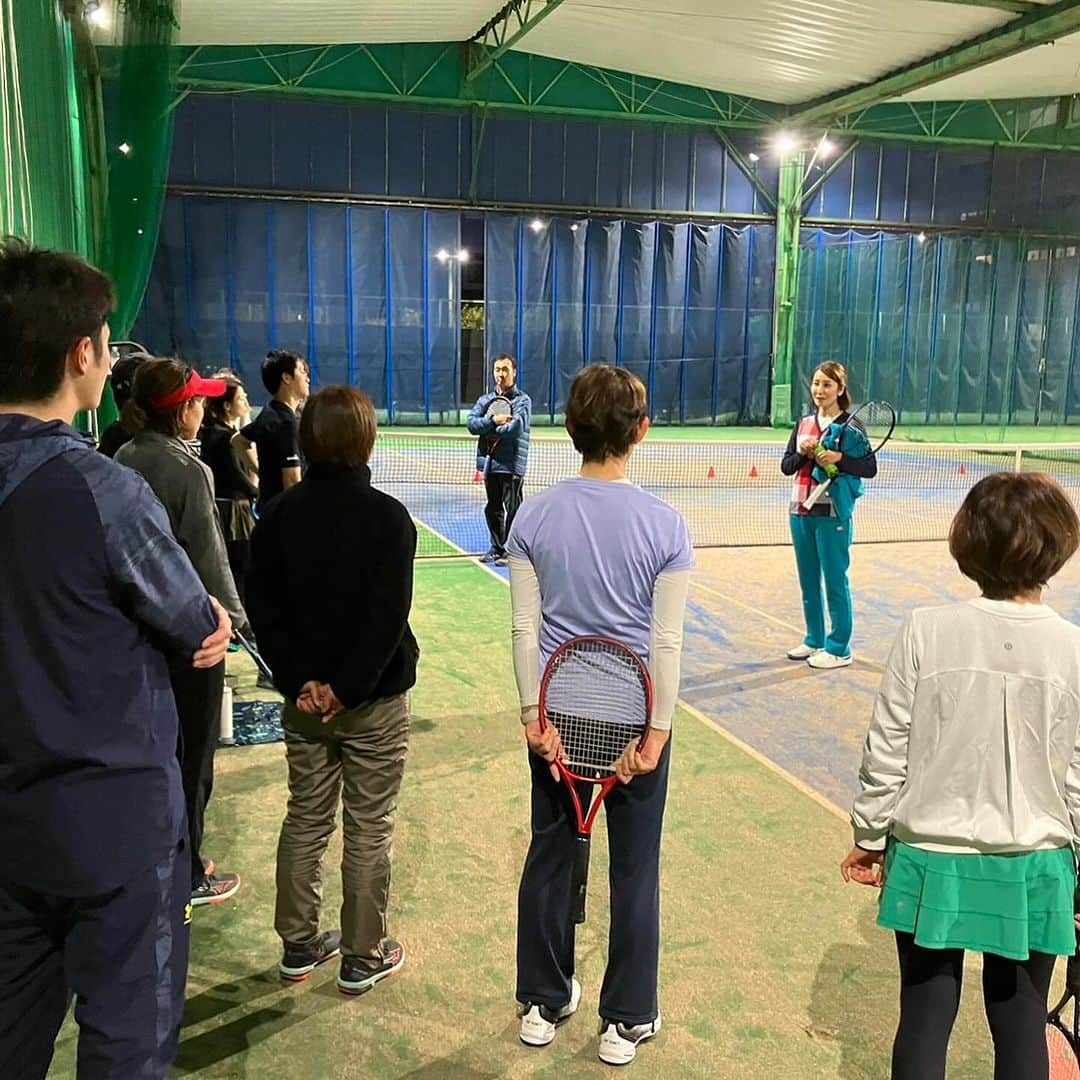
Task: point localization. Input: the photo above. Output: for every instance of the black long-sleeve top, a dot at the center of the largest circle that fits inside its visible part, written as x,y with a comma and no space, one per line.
863,467
330,587
230,481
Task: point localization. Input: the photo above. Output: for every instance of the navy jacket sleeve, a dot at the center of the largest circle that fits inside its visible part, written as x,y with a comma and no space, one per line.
478,423
521,419
152,575
376,640
863,467
793,461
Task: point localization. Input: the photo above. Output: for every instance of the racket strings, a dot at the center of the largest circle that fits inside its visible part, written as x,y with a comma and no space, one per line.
596,698
877,419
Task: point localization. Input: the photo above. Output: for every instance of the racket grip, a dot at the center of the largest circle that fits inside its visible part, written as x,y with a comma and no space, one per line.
810,502
581,877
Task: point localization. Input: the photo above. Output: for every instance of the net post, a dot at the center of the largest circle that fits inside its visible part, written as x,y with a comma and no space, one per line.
1019,463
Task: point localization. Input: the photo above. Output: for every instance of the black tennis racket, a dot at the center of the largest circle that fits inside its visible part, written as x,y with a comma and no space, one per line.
250,649
499,406
877,420
1063,1038
597,694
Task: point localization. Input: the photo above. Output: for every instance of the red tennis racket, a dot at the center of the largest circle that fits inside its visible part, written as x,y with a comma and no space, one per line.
598,696
1062,1038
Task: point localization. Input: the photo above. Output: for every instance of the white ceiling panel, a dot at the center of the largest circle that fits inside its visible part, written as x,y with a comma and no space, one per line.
329,22
1047,71
778,50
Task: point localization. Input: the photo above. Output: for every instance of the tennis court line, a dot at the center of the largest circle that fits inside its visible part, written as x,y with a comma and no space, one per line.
697,714
761,759
862,659
460,550
800,630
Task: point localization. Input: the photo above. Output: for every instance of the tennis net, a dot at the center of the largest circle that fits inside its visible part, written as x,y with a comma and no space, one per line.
731,494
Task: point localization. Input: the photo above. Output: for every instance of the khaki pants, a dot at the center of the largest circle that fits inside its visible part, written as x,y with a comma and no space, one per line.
357,760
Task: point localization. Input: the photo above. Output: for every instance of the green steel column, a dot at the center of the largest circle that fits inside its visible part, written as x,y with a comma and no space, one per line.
788,217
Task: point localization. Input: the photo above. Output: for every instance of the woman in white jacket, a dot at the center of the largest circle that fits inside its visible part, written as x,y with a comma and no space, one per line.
969,808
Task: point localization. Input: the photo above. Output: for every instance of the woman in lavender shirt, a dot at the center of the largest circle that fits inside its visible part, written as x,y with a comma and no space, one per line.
597,555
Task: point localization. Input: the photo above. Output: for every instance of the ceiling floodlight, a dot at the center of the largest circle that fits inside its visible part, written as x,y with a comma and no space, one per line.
536,225
95,13
462,255
125,149
754,157
785,142
921,238
442,255
825,148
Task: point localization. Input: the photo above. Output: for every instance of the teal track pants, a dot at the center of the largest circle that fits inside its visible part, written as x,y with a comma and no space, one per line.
823,550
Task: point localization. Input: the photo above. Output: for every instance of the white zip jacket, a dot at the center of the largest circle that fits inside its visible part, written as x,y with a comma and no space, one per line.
973,745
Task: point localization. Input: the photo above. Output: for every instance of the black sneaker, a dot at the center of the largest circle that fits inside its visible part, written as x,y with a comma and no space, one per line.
489,556
358,977
300,961
215,889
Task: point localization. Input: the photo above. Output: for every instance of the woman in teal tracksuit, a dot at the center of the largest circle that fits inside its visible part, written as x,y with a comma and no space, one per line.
822,535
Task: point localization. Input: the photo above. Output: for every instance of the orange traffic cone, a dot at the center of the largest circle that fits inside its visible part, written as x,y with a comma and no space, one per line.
753,472
712,473
478,478
963,469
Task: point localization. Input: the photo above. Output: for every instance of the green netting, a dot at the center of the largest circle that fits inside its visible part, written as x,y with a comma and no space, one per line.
138,123
44,182
954,330
64,183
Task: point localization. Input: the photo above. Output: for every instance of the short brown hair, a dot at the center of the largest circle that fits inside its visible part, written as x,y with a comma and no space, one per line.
1014,532
154,380
337,427
605,410
838,373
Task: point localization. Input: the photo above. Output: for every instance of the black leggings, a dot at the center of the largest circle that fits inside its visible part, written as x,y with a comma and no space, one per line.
1014,996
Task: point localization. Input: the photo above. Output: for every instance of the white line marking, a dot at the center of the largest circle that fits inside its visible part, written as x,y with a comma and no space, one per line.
769,764
460,550
747,607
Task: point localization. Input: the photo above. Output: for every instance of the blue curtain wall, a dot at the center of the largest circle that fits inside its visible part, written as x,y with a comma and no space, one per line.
359,291
952,329
256,143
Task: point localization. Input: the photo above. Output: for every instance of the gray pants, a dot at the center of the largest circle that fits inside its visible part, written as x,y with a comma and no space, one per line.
358,761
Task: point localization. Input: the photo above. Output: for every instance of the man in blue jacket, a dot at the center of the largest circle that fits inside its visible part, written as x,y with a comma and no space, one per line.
502,453
94,884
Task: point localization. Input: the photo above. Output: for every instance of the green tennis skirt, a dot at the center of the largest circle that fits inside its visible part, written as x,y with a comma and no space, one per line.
1011,905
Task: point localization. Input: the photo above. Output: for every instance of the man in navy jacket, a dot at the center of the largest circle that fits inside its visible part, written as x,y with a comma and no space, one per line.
94,883
502,453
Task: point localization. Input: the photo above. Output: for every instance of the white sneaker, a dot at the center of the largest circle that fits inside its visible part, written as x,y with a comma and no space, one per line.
618,1043
802,652
826,661
538,1022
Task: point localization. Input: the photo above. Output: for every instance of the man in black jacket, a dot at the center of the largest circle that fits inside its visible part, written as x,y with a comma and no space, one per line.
329,594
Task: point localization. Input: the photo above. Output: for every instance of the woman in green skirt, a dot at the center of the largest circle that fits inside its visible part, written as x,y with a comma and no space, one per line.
969,805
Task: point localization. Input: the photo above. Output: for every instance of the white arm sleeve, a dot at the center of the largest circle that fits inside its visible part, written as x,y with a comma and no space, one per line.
665,644
884,763
525,633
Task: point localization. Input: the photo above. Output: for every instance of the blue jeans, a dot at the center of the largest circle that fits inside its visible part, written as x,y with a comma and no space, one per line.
823,549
